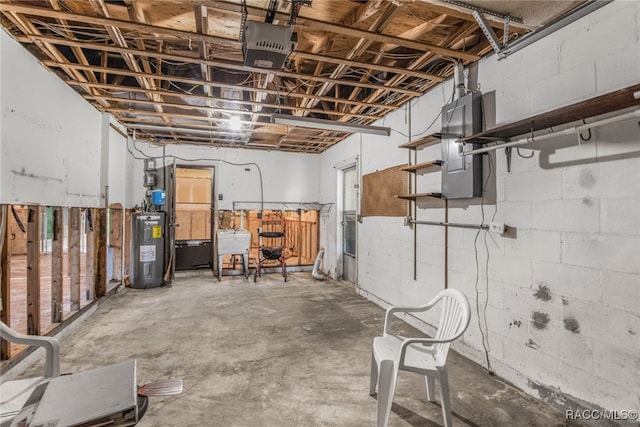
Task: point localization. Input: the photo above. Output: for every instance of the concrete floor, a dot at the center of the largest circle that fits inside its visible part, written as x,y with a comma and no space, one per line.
275,354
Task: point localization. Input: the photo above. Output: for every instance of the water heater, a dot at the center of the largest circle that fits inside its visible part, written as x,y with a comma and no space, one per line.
147,249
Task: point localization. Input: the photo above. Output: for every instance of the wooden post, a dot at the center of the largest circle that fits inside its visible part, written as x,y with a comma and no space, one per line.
299,236
100,251
5,313
57,255
115,241
33,271
126,243
91,224
74,257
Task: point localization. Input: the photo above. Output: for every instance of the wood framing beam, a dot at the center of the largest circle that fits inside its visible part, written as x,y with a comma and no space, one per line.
78,53
466,14
462,32
237,66
116,242
303,24
412,34
202,26
134,122
116,35
47,49
33,270
437,6
204,108
195,82
90,260
224,110
369,66
310,24
127,246
5,276
57,256
74,257
379,24
102,21
100,252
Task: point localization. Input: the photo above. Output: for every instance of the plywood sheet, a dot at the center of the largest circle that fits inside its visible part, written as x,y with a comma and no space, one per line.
379,191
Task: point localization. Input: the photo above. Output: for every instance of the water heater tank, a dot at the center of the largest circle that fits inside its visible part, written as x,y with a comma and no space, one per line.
147,249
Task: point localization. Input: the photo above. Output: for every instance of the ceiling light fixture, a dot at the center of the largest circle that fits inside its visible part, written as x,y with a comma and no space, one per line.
308,122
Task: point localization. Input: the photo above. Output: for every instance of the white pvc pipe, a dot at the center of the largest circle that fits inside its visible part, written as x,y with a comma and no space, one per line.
458,78
568,131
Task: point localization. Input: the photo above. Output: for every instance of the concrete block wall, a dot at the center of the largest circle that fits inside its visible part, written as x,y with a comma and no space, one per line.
558,296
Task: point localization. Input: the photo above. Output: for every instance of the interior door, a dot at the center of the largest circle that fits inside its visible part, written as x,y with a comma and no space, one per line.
194,204
166,181
349,223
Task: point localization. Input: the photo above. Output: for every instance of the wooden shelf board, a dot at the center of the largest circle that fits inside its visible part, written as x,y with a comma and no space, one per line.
432,139
419,195
607,103
424,165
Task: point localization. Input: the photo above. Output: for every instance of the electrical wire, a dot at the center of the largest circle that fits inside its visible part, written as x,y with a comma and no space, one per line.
434,120
485,337
146,156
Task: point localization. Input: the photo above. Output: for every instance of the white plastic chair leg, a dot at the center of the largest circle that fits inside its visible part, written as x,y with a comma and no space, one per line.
446,403
431,391
373,382
386,390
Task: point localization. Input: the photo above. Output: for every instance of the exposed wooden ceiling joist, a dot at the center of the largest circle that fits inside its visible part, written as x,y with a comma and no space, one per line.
176,68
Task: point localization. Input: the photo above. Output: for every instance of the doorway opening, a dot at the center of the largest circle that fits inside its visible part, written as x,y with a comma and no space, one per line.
348,187
194,218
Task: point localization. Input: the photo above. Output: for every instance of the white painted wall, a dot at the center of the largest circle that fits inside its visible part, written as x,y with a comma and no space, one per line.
119,174
286,177
50,135
573,264
55,148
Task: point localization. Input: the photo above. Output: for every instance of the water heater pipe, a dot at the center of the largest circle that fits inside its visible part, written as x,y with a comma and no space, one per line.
458,79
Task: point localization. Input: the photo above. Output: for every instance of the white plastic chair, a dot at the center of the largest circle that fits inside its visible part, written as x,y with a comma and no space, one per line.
425,356
13,394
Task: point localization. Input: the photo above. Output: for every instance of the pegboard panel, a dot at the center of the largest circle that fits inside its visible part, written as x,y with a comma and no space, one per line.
379,191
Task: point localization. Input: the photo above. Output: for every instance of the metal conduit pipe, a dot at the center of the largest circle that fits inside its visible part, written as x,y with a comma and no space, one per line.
452,224
568,131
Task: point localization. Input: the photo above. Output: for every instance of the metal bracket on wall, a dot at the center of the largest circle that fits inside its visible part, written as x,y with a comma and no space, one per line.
488,32
507,152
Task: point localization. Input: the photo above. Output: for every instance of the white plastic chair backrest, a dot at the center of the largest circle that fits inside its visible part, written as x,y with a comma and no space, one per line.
50,344
454,319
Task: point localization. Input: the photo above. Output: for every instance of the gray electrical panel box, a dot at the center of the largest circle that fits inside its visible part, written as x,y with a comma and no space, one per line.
461,175
147,249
